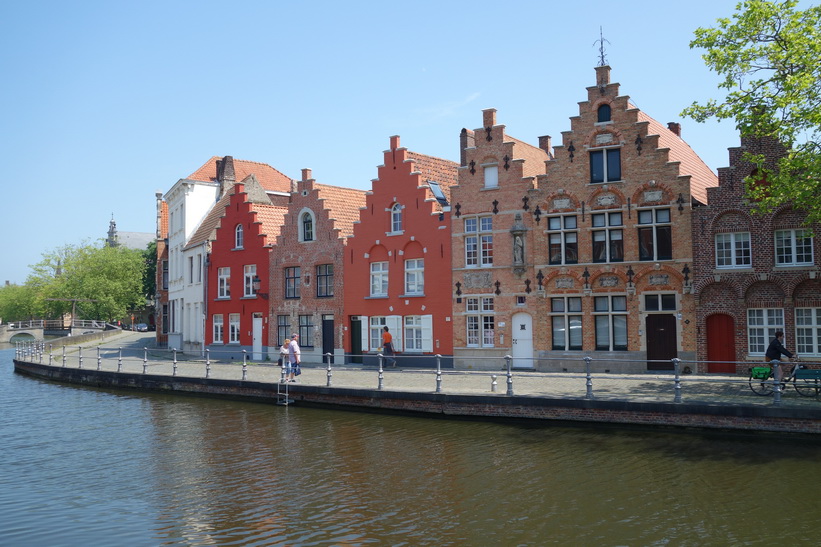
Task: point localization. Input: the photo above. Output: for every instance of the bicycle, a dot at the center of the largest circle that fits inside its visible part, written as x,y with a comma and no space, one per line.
807,382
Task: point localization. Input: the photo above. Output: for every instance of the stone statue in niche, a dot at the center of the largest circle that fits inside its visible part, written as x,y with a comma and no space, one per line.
518,250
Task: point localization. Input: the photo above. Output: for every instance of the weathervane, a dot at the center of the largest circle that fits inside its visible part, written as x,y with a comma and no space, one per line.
601,41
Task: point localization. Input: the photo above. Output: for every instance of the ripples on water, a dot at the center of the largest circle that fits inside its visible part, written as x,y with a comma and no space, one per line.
89,467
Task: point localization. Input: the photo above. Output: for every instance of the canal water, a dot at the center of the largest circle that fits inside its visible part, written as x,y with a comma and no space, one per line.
83,466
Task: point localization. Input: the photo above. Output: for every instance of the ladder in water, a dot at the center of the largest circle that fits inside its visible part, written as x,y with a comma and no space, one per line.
282,393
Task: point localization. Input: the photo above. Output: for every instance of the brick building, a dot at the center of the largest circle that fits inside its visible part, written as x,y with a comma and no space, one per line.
591,249
161,273
237,273
308,270
397,264
754,273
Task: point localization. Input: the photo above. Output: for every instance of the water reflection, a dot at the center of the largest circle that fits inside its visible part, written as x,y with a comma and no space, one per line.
154,469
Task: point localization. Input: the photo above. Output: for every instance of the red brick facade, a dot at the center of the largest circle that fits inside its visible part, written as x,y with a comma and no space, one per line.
753,275
403,232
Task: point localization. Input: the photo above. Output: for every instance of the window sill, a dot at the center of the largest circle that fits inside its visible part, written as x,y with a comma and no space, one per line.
248,297
238,249
620,181
416,295
806,266
399,233
376,297
222,299
726,269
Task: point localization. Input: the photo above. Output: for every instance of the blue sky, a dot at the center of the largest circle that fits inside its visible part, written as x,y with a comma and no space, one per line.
106,103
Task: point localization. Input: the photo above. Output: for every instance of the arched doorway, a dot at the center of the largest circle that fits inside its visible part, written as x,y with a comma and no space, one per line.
721,343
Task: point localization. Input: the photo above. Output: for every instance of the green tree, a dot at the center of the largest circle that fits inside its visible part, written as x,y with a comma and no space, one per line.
769,55
17,303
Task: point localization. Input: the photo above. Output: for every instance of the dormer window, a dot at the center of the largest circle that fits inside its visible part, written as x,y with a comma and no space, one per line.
603,113
238,237
396,218
307,227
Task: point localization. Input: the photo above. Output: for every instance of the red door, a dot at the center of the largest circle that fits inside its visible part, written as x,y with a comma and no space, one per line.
721,343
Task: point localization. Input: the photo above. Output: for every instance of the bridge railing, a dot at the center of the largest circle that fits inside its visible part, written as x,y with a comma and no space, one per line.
56,324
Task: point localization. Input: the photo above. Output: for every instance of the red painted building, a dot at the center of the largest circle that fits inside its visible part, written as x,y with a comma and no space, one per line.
237,273
307,268
397,263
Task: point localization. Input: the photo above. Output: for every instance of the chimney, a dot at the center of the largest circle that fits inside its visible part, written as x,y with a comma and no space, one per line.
488,117
466,140
225,174
306,175
545,143
675,127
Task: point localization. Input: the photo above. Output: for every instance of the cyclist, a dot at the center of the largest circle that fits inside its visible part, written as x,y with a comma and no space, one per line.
776,350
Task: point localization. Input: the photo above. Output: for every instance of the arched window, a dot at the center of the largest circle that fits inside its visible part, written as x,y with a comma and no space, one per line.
307,226
238,237
604,113
396,218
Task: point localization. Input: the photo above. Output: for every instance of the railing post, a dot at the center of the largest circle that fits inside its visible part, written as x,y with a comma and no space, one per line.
50,354
64,356
99,361
509,361
40,350
120,360
81,357
207,363
329,373
145,360
589,380
677,368
174,370
381,374
776,382
438,373
244,365
493,383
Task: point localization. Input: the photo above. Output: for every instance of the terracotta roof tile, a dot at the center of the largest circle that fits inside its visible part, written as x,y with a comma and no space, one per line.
270,179
343,205
438,170
701,176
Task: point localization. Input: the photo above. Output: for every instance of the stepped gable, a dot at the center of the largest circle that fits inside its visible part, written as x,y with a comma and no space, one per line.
438,170
343,205
206,231
701,176
270,179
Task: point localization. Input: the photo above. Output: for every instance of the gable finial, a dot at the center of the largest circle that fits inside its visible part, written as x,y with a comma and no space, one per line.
601,41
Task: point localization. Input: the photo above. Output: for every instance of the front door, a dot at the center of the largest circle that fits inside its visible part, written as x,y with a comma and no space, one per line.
327,337
662,346
522,340
721,343
356,339
256,349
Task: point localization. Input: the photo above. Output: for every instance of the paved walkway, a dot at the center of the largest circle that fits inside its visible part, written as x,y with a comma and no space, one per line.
650,387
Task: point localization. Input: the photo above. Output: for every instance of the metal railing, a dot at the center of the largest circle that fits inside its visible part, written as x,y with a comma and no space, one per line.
669,386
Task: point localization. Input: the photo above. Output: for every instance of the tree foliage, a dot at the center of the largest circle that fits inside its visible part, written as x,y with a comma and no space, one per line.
769,55
98,282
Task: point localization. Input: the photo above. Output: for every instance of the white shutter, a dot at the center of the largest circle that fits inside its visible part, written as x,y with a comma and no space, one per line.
394,324
427,333
366,333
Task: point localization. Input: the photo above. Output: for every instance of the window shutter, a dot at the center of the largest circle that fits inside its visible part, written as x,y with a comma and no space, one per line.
427,333
394,324
366,332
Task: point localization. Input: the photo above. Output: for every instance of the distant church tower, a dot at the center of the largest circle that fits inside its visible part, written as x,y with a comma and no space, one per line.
112,233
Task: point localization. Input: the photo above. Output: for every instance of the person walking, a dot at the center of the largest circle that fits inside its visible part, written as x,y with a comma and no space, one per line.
774,352
294,358
283,356
387,346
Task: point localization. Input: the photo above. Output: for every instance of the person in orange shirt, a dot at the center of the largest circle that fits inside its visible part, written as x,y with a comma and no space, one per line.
387,347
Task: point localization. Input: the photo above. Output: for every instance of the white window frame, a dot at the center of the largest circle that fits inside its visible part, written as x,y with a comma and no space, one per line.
233,328
491,175
479,241
563,231
396,218
733,250
808,331
762,323
480,322
415,276
379,279
789,251
307,226
418,333
565,316
249,273
610,324
239,237
219,329
224,282
610,227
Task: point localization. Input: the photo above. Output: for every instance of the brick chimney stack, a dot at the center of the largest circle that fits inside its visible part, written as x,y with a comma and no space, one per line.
225,174
488,117
306,175
675,127
466,140
394,142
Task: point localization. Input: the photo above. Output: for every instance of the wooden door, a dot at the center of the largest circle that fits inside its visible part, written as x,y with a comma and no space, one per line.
327,338
662,344
721,343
